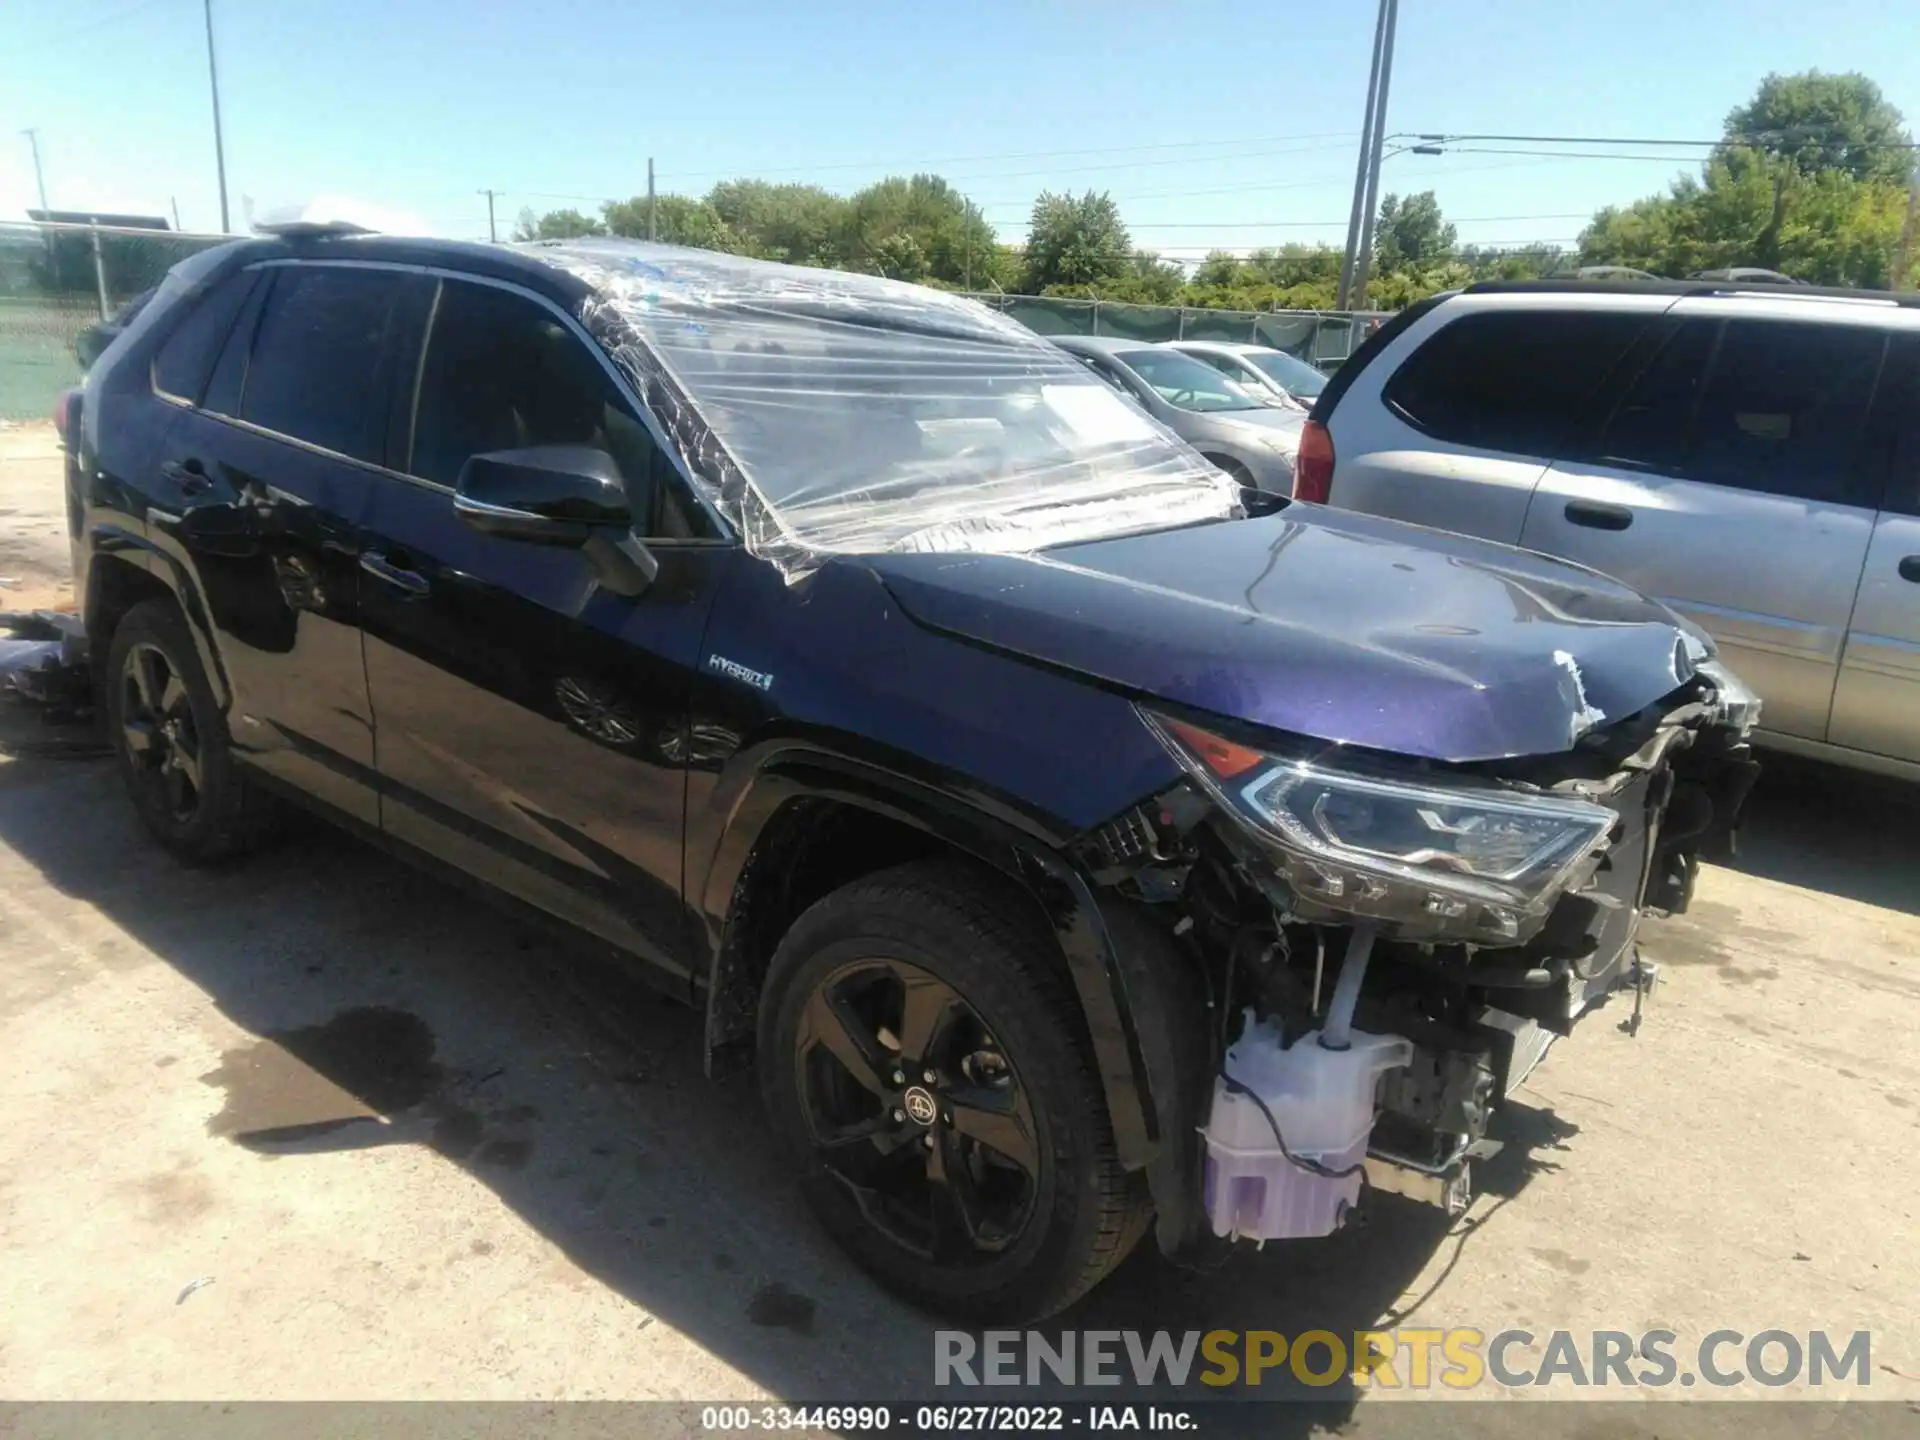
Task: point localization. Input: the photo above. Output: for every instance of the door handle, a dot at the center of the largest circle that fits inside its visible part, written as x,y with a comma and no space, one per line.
1596,516
410,583
189,474
1910,569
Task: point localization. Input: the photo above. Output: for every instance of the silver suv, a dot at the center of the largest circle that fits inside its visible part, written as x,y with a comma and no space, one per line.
1752,458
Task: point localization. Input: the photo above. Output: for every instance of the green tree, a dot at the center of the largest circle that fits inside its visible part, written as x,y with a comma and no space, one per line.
1219,271
556,225
1803,184
1526,262
1075,240
800,224
1411,235
898,257
957,245
1820,122
678,220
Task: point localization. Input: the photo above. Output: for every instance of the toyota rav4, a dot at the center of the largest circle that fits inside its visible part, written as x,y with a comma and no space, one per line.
1081,843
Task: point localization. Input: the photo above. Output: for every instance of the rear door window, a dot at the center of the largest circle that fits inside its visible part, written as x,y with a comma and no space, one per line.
1893,428
1648,430
1513,380
1784,411
314,369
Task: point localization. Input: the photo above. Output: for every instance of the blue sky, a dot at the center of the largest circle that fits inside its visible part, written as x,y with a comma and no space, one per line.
1223,124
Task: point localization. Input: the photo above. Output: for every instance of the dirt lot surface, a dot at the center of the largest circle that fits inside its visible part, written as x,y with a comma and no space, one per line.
33,522
320,1127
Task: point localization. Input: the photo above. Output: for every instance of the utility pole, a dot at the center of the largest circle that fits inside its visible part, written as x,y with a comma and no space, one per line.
1360,166
653,231
1363,258
493,234
39,178
219,141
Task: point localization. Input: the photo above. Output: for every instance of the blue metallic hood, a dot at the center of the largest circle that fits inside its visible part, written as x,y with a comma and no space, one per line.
1327,624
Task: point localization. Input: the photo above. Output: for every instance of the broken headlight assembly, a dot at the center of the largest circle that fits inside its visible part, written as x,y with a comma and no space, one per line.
1427,856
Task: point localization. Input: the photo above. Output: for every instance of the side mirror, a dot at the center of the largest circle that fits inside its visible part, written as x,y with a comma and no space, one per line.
543,494
569,495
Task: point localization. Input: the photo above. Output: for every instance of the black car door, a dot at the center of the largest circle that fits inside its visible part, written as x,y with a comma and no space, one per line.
532,724
274,466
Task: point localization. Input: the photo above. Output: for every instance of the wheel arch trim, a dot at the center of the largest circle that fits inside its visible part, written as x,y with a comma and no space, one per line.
1025,853
118,545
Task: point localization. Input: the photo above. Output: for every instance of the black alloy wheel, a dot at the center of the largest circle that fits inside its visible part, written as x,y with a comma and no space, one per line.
172,743
158,733
925,1068
913,1107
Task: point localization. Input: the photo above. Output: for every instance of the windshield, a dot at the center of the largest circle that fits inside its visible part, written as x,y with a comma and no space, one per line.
1186,383
1296,377
855,415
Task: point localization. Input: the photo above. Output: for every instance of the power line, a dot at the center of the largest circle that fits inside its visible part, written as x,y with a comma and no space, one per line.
996,175
1240,189
1310,224
1022,206
1566,154
1755,138
86,27
1017,155
1470,249
1144,164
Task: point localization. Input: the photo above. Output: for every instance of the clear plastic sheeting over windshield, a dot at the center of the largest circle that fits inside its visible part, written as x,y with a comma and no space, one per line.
828,413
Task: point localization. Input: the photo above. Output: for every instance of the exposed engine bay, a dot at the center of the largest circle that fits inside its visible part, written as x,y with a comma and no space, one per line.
1389,946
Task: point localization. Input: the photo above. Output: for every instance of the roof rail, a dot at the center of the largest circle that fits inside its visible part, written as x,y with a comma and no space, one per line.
1907,299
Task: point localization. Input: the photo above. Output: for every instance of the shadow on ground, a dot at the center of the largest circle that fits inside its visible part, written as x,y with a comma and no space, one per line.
385,1008
1842,832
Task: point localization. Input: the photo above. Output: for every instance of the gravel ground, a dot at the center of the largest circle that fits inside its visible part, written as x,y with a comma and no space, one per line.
498,1172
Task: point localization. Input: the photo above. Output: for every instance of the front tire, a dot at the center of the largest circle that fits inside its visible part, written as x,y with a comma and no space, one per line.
172,743
923,1066
1234,468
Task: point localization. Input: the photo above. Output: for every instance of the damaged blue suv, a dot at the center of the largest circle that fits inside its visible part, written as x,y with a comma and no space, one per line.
1082,845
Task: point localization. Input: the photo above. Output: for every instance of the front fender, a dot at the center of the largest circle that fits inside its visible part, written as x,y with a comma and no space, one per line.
1104,970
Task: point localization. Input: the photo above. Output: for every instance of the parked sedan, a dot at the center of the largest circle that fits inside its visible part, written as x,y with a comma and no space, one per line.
1249,439
1260,369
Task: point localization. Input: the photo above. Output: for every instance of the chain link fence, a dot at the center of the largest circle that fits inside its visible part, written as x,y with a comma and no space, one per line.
1321,337
59,281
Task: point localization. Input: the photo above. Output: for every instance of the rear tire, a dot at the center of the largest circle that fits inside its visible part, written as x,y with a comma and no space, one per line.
927,990
172,744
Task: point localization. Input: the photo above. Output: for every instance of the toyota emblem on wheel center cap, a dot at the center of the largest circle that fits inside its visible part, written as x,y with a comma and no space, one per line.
920,1106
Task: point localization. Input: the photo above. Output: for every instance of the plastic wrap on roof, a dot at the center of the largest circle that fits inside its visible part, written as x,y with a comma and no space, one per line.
827,413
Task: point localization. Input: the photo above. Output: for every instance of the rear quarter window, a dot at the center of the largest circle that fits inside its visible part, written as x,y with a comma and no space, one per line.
1512,380
186,356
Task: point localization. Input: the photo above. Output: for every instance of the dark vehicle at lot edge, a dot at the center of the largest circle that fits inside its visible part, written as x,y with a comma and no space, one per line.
1021,791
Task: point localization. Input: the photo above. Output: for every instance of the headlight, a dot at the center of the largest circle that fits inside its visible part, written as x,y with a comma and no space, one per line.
1441,858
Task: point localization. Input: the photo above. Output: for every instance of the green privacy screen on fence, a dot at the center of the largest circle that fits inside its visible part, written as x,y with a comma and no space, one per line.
57,281
1324,337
